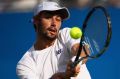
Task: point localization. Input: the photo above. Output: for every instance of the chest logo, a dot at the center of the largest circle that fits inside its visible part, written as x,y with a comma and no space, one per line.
59,51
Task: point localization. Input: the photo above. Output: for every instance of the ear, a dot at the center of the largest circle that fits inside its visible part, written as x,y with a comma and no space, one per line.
35,21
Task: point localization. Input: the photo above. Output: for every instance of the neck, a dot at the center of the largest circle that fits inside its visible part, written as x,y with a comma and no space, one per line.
43,43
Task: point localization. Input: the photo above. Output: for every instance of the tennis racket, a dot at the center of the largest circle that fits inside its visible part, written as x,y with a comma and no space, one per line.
96,34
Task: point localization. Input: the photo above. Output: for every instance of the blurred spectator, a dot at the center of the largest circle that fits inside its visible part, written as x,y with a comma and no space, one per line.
78,3
115,3
27,5
83,3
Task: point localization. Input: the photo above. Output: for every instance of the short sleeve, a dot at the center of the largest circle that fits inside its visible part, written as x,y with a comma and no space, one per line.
66,38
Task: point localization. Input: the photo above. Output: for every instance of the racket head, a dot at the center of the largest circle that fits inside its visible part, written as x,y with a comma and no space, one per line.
97,31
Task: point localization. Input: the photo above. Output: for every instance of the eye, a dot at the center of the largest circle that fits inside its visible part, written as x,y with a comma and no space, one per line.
58,18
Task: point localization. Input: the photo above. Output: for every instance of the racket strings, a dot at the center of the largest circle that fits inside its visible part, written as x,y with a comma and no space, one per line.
96,32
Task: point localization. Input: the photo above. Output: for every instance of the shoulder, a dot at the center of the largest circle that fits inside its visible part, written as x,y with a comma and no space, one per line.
64,35
26,63
27,57
26,66
64,30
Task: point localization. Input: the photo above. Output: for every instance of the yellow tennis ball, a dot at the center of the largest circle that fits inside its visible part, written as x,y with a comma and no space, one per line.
75,32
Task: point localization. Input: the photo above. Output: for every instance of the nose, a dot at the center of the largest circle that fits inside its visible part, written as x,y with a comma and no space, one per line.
53,21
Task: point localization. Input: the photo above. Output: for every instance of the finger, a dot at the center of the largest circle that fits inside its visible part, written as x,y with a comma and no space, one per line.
77,69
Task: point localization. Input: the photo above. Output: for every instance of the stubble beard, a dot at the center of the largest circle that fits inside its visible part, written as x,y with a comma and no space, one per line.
46,34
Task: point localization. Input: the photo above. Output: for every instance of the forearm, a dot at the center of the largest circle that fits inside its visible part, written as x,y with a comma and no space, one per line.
75,48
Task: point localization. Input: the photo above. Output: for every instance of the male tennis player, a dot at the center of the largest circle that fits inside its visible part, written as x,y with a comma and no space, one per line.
49,57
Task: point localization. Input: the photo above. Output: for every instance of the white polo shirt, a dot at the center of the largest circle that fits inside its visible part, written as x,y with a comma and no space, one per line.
42,64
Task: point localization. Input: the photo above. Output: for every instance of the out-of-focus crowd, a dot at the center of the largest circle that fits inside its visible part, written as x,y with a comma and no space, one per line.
27,5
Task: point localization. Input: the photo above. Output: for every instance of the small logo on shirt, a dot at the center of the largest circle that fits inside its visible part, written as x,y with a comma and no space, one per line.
59,51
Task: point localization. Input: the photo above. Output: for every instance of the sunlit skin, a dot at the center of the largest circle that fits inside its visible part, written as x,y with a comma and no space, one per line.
47,28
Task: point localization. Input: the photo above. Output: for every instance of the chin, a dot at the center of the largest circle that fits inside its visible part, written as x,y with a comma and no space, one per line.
51,37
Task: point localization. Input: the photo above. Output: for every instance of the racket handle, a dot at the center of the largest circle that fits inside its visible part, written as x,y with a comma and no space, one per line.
75,63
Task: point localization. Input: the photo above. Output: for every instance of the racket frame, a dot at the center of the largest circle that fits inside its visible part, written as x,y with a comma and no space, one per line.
107,41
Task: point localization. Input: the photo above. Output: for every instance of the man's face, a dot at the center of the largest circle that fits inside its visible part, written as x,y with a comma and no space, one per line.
48,25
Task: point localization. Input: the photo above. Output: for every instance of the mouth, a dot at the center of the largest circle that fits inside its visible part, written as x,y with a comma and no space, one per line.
52,30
